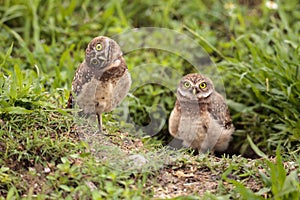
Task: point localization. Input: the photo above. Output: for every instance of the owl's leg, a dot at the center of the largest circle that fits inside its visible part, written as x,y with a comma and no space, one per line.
206,145
214,133
99,117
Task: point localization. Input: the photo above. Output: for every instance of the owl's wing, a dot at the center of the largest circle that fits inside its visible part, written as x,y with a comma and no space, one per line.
174,119
220,112
82,76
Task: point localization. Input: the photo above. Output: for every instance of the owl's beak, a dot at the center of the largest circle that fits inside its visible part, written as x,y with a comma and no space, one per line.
194,91
102,58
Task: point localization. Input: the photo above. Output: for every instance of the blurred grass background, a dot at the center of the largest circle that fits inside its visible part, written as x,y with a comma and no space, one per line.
255,48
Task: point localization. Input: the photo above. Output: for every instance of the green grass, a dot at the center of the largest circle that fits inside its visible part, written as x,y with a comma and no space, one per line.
256,55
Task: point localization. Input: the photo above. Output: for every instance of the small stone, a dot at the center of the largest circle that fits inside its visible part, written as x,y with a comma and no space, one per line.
138,160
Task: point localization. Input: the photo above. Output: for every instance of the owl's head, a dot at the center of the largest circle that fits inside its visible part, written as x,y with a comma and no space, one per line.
194,87
101,52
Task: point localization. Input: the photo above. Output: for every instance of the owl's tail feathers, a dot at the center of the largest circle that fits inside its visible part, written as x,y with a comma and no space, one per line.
71,102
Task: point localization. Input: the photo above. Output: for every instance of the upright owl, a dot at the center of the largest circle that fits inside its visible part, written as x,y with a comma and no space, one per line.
102,80
200,117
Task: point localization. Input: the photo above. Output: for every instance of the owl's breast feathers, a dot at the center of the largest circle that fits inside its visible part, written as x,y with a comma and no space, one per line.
84,75
216,106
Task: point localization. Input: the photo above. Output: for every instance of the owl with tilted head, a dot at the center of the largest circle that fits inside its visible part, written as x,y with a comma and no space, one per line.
102,80
200,117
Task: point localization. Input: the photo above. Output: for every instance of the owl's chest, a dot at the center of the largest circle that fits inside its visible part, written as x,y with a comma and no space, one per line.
193,122
103,95
94,93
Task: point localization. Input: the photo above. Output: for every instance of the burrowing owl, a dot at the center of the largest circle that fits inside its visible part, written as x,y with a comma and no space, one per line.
102,80
200,117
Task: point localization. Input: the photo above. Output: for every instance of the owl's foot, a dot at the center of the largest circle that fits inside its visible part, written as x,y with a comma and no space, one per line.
101,129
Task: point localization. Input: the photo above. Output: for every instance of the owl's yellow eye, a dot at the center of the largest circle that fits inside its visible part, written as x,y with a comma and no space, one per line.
187,84
202,85
98,47
94,62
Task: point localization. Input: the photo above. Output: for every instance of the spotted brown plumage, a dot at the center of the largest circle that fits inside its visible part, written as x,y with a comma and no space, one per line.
102,80
200,116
